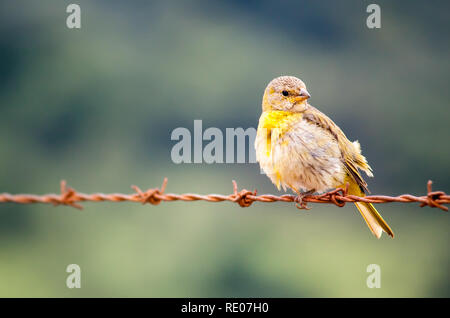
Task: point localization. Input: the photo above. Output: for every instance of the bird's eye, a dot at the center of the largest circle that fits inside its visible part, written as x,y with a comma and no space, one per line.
285,93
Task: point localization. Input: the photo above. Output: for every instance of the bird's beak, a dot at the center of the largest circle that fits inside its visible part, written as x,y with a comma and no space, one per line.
304,93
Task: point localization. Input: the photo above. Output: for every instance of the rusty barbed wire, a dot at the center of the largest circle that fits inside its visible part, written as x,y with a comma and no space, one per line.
244,198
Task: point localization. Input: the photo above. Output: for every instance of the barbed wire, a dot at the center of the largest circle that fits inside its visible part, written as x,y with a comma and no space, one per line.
244,198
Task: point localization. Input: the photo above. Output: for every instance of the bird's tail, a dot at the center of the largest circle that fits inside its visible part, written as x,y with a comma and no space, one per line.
373,219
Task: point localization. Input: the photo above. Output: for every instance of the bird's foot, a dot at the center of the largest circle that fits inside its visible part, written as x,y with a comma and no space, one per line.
299,202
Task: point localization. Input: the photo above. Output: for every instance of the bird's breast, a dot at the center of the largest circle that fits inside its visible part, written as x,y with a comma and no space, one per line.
278,119
295,152
276,123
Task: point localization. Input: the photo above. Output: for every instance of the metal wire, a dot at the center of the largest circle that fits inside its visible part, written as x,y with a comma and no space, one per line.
244,198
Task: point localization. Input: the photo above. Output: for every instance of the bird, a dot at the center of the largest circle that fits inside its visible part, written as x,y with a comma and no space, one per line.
300,148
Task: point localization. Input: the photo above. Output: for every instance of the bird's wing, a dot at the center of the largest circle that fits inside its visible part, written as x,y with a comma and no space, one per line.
351,152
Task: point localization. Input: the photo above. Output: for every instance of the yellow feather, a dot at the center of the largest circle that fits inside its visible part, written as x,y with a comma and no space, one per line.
279,120
373,219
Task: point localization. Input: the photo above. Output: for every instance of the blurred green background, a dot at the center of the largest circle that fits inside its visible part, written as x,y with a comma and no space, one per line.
96,107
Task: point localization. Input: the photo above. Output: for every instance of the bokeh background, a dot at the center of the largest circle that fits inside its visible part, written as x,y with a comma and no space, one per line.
96,107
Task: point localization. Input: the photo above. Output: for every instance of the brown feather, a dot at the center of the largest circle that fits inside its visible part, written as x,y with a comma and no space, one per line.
351,156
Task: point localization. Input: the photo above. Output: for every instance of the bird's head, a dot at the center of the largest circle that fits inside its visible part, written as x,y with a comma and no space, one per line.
287,93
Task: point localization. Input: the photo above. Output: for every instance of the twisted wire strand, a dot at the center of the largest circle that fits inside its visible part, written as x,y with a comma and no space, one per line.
244,198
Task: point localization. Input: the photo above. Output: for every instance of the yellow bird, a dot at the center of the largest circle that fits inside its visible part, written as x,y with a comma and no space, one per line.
299,147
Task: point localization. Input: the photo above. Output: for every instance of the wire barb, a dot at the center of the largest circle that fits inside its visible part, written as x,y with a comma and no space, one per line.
241,197
433,197
67,196
245,198
152,196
